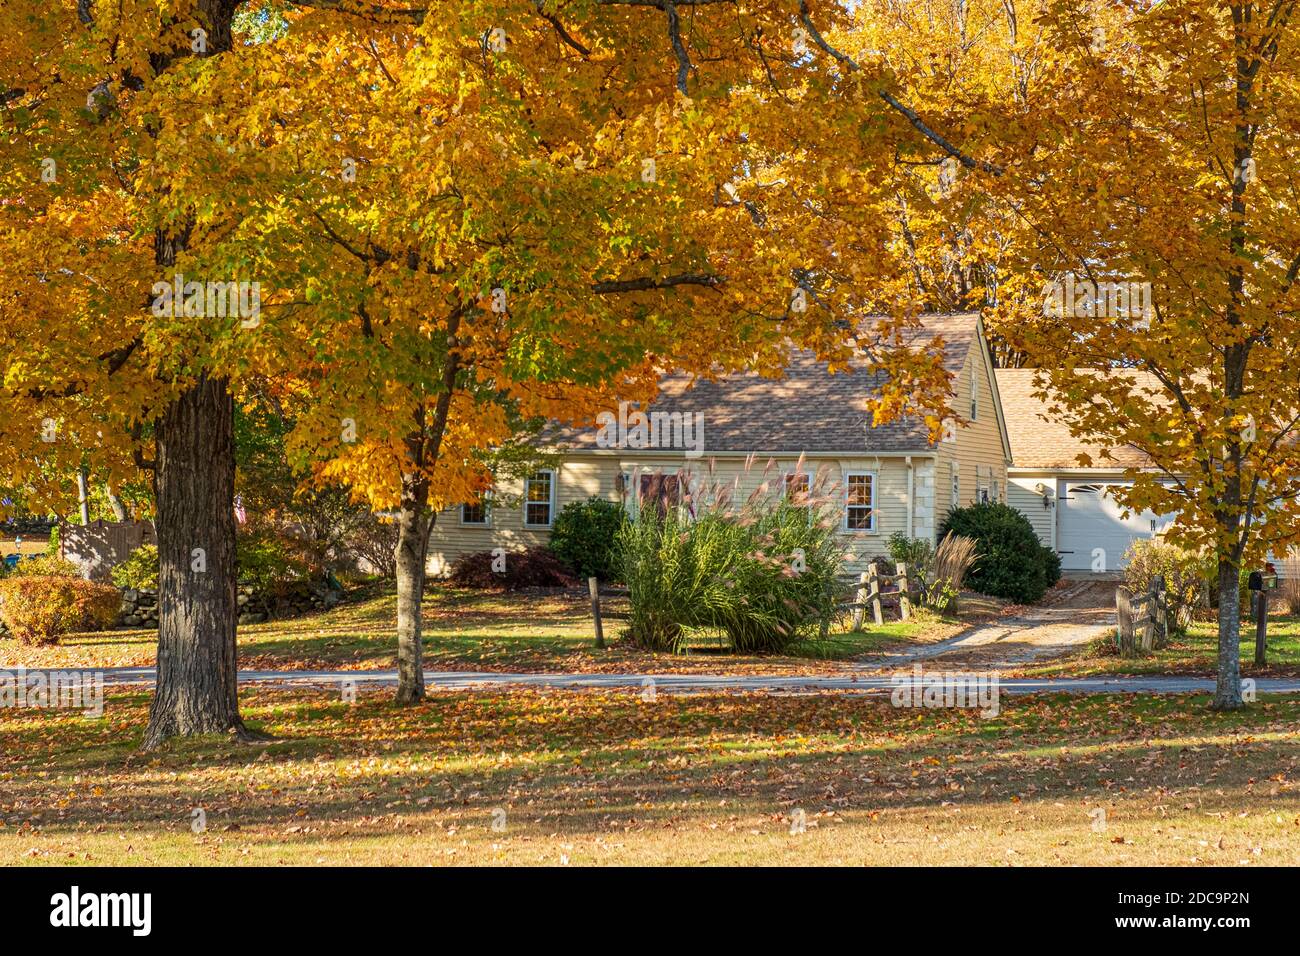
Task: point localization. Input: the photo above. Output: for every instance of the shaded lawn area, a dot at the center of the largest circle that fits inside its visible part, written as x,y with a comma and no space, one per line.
535,630
1195,653
591,778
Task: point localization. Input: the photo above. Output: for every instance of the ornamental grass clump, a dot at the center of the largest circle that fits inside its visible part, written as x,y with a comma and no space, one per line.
763,572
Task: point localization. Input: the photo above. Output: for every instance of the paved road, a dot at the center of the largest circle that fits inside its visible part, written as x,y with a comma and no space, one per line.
685,683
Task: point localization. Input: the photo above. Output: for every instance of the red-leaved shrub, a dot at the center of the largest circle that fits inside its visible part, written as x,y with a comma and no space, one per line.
39,610
534,568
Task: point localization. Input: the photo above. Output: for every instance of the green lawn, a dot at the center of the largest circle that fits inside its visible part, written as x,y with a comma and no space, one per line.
1193,653
605,777
478,630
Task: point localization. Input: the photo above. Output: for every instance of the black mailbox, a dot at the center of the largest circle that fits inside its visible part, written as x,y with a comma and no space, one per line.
1256,581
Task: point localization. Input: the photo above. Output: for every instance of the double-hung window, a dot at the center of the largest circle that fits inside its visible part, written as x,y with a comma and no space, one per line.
860,501
539,499
474,513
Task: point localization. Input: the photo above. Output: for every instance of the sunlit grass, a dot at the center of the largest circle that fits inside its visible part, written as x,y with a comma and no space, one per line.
467,630
1194,653
609,778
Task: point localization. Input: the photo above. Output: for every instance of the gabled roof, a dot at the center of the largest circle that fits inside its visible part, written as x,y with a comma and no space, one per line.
807,409
1041,439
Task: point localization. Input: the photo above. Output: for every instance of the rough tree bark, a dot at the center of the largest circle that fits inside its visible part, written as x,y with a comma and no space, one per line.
194,480
1227,689
194,488
414,525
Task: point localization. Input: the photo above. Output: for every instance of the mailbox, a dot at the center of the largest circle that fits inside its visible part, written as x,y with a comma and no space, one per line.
1256,582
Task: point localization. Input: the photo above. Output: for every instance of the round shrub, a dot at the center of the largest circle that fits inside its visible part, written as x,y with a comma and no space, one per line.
139,572
40,610
1012,562
272,564
1052,565
585,537
45,566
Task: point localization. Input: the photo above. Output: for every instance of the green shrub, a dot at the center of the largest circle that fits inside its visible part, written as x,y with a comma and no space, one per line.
139,572
1051,566
1187,575
271,564
41,609
917,554
585,534
765,573
45,566
1012,562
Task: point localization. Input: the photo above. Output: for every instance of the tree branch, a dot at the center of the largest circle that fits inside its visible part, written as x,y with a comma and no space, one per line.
679,48
646,284
912,117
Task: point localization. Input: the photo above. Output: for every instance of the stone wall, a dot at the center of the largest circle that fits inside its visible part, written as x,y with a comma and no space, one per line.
140,608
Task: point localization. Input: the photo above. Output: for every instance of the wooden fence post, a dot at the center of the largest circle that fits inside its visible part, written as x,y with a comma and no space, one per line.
594,587
1146,637
860,602
1124,618
1160,611
904,604
873,594
1261,629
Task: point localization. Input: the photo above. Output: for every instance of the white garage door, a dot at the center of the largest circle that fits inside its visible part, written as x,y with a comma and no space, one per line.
1089,518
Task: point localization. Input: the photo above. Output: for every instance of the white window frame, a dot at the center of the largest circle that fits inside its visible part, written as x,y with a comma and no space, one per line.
487,514
956,485
550,511
974,395
875,488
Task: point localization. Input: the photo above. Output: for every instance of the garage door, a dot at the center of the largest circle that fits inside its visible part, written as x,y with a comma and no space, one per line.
1088,518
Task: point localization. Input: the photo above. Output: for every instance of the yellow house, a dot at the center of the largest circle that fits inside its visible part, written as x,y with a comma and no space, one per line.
888,478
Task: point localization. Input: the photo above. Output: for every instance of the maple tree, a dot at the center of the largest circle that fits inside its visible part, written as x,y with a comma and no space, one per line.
459,223
1150,162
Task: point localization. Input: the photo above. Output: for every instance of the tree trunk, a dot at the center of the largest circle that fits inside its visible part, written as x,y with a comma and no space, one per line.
1227,691
414,525
114,502
195,481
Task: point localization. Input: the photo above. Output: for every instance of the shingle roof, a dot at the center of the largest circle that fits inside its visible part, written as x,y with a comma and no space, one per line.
808,409
1040,439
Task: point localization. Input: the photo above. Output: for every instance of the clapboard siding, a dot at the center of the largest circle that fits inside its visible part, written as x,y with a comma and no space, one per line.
576,480
1022,496
581,477
978,450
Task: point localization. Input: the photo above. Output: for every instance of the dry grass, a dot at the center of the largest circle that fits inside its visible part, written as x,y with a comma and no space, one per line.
597,778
